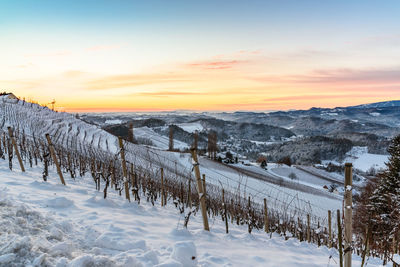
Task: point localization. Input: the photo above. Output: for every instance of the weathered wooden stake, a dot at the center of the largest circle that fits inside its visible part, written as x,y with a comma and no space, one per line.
340,239
330,228
348,214
189,199
200,190
308,229
53,155
366,245
204,185
133,180
10,132
266,223
225,213
112,169
162,187
124,170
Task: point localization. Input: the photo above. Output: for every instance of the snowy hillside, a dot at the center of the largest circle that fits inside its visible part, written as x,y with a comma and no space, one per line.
79,225
158,140
64,128
363,160
47,224
73,133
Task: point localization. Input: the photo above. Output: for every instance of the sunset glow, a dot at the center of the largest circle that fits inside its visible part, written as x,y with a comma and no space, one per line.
163,55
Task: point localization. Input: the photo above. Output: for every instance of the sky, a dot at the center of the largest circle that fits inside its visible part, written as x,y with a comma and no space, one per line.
126,55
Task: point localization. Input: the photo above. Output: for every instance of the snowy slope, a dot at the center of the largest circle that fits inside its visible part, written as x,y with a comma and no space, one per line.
300,176
64,128
191,127
363,160
157,139
73,133
47,224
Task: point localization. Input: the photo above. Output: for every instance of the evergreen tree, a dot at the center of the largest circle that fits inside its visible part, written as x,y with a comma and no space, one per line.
384,203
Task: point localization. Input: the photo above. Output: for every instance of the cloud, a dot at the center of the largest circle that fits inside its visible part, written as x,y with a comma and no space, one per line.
339,76
24,66
249,52
102,48
74,73
170,93
216,64
132,80
350,75
382,39
318,97
52,54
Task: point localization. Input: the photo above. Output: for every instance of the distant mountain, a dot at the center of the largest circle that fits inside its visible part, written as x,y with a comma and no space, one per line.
393,103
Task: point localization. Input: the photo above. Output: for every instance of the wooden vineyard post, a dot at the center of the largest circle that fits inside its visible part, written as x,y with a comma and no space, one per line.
133,180
204,189
340,241
10,132
266,223
124,170
54,157
365,252
225,213
348,214
112,169
189,199
330,228
204,184
308,229
200,190
162,187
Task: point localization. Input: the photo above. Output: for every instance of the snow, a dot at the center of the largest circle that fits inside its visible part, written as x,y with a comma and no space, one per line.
45,223
362,160
68,131
375,114
158,140
301,176
191,127
83,229
115,121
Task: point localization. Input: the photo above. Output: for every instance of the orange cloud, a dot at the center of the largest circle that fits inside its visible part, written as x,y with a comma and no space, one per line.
216,65
319,97
170,93
132,80
73,73
339,76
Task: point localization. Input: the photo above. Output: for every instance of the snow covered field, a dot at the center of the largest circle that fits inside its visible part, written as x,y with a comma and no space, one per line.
298,175
362,160
191,127
48,224
157,139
